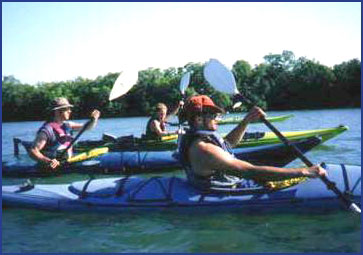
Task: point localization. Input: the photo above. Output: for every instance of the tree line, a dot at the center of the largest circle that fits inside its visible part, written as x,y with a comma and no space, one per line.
281,82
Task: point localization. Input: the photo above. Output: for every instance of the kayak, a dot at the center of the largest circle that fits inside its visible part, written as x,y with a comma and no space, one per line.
123,143
248,140
172,193
136,162
131,143
236,120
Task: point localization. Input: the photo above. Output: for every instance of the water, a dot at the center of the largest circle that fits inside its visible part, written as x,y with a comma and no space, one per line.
41,231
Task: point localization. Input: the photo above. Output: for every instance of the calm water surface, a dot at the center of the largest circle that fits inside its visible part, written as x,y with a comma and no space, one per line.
167,231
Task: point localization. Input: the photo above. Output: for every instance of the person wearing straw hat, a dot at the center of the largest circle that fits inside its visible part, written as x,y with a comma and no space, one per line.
207,158
55,135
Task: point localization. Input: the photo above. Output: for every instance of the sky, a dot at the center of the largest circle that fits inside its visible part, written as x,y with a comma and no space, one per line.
49,42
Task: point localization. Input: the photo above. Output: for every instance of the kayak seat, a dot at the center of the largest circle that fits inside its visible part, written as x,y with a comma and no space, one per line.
253,135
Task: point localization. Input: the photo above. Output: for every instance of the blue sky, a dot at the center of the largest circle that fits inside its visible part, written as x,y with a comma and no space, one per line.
44,42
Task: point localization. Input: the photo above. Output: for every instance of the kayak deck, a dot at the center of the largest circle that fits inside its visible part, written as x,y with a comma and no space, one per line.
119,194
270,138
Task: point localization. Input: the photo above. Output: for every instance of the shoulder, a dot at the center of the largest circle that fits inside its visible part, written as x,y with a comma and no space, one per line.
45,130
155,122
42,135
41,139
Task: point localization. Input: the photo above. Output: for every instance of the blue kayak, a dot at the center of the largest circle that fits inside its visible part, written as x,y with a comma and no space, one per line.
136,162
170,193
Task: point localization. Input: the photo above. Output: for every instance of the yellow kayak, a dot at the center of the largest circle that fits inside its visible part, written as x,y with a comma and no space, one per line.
91,148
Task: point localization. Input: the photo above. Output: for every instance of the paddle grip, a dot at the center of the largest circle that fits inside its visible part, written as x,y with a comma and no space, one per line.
331,185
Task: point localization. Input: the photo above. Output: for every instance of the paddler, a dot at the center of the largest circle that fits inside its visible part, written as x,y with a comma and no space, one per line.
55,135
156,126
207,158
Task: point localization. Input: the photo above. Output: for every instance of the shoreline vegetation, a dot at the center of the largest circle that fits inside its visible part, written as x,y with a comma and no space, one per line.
281,82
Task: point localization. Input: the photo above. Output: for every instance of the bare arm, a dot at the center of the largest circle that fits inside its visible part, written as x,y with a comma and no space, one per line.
206,157
235,136
35,151
94,117
155,126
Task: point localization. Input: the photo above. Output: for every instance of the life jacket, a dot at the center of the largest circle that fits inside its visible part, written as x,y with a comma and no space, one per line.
218,179
150,134
58,137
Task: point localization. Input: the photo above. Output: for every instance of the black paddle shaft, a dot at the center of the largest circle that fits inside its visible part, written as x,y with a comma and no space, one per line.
330,185
85,126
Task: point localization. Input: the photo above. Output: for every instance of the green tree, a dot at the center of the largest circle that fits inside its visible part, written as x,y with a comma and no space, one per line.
348,83
280,83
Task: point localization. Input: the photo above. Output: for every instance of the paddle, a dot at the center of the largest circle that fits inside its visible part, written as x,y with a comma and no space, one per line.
236,105
222,79
85,126
121,86
184,83
124,82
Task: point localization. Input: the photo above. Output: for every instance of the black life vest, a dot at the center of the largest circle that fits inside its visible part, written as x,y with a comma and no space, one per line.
218,179
150,134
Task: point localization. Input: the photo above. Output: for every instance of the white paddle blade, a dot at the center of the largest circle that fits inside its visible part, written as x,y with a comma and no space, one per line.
236,105
220,77
184,82
353,207
124,82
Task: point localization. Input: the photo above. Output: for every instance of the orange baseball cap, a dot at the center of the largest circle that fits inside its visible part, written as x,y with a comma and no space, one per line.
199,104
